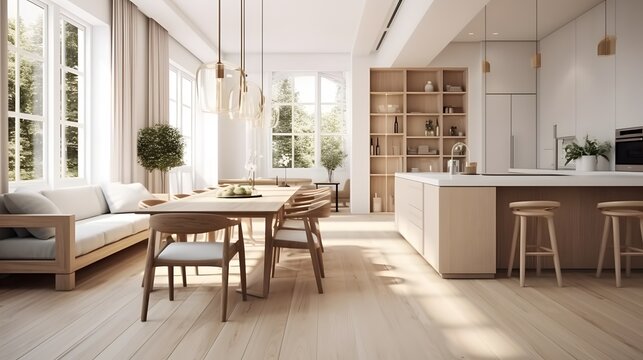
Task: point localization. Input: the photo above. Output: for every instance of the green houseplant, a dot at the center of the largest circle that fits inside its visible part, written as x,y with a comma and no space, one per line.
332,157
160,147
589,151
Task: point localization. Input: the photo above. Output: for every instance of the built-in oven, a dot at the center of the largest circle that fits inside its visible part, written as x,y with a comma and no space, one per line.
629,149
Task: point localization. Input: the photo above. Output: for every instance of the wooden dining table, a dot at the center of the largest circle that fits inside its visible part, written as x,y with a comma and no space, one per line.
267,206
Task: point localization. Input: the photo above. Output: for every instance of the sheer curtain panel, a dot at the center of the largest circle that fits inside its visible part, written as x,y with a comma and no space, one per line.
4,131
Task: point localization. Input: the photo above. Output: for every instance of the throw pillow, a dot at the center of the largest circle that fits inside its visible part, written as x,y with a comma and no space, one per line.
32,203
6,233
123,198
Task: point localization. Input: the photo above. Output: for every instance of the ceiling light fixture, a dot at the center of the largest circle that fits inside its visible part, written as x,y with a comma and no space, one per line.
216,82
495,33
486,67
607,46
535,58
471,34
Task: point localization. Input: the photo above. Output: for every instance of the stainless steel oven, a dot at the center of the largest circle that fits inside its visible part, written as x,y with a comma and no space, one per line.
629,149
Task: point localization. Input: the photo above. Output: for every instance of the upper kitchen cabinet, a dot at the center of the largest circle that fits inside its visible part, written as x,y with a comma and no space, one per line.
511,70
629,73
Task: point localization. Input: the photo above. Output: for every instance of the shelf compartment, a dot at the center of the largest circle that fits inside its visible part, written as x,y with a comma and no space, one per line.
423,103
424,164
387,80
415,125
416,79
454,77
381,104
459,121
457,102
448,143
386,124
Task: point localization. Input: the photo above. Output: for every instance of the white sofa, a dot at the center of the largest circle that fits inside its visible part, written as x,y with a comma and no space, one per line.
89,223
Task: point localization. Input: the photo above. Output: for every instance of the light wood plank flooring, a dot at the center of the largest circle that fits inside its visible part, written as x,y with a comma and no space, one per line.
381,301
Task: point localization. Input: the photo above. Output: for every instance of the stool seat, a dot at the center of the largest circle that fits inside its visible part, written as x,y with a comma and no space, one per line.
540,210
614,211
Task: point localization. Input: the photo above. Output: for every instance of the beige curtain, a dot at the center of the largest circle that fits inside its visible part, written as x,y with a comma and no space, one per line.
158,89
129,89
4,135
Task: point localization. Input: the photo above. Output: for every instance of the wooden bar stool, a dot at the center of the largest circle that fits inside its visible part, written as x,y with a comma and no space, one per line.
539,210
614,211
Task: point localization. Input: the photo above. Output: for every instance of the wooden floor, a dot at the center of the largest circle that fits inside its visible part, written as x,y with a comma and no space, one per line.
381,301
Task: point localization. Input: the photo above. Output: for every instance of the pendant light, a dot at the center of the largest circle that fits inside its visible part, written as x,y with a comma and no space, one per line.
216,81
607,46
486,67
535,58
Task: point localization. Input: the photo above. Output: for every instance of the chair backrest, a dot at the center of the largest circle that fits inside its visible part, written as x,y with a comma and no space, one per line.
314,210
144,204
184,224
345,192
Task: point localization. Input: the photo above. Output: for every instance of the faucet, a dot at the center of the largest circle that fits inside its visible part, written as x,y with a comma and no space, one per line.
451,163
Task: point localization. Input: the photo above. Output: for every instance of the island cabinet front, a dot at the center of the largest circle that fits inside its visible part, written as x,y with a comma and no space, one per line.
459,230
408,212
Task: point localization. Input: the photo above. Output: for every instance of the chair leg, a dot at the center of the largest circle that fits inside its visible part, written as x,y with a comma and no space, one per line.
628,244
275,251
514,239
617,249
242,264
224,293
601,254
148,283
523,248
170,281
539,236
319,238
184,276
321,262
316,268
554,247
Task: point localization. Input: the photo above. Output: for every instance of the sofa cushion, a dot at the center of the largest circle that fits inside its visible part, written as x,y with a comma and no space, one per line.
6,233
32,203
122,198
116,226
82,201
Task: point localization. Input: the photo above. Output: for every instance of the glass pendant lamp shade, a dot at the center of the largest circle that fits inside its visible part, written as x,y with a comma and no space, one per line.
215,83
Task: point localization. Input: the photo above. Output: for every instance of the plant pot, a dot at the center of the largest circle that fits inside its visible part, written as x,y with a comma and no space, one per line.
586,163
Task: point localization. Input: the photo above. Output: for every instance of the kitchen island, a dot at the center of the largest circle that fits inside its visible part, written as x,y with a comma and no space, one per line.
462,225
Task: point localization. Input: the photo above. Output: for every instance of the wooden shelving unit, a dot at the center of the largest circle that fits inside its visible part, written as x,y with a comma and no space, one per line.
399,93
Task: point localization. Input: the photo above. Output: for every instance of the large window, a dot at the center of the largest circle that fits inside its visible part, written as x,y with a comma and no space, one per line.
310,109
45,142
182,113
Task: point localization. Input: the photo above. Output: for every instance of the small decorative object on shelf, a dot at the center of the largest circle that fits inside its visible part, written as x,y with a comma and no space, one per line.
453,131
428,87
372,148
426,128
437,128
453,88
377,203
429,128
396,126
377,146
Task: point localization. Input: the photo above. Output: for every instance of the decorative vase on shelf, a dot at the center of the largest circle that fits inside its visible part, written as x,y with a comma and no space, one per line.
586,163
428,87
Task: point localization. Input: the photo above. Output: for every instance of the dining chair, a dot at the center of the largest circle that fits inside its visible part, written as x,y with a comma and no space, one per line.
307,239
163,251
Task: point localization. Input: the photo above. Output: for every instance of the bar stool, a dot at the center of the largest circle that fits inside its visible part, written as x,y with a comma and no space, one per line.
613,211
539,210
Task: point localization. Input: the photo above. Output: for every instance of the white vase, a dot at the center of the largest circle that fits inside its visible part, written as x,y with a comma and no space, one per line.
428,87
586,163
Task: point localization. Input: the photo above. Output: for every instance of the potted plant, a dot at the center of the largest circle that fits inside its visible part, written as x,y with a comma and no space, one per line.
332,157
160,147
587,155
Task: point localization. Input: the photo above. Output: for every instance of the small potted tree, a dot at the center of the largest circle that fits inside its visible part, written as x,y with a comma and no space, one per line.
332,157
160,147
586,156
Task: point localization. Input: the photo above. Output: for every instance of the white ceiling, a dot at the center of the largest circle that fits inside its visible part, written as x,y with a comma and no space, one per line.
516,19
290,26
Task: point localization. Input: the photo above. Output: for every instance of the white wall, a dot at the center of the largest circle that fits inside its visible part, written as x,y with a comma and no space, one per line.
469,55
360,169
629,73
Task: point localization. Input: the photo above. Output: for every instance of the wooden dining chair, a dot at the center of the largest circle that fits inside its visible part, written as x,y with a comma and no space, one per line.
163,251
302,202
307,239
180,196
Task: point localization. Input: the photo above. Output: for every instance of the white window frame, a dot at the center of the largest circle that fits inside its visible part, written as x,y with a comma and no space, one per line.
190,138
317,134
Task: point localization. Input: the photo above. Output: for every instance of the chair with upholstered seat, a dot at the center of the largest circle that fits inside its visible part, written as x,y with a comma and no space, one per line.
162,251
344,195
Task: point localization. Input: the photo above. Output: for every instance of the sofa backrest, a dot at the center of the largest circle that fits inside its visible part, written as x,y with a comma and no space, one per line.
5,233
82,201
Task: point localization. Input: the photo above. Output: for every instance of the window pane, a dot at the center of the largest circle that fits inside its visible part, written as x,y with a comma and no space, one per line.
331,91
284,113
71,97
173,113
281,145
31,150
187,151
282,91
304,151
12,81
31,27
11,9
12,149
332,119
70,154
186,92
186,121
71,40
303,119
31,87
305,89
172,85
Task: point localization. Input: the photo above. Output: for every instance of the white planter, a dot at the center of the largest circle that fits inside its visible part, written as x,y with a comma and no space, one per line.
586,163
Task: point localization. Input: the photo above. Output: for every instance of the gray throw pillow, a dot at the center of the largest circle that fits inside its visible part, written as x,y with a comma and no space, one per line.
6,233
32,203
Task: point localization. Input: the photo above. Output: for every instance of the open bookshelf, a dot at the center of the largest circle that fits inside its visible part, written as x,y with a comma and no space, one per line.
399,94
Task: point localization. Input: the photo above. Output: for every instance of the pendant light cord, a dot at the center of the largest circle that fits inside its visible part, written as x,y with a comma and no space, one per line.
262,46
219,33
605,2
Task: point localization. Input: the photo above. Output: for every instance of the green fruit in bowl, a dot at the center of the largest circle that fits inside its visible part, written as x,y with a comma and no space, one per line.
239,191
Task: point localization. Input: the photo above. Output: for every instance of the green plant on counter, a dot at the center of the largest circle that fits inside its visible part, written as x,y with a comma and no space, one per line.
592,147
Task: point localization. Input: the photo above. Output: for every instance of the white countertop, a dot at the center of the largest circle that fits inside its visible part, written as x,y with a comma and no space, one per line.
530,177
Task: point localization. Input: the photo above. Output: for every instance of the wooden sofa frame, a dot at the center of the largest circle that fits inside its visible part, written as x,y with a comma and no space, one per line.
65,263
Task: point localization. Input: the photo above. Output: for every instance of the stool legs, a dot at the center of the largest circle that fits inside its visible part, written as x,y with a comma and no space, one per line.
554,247
628,244
601,254
538,244
514,240
617,249
523,248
